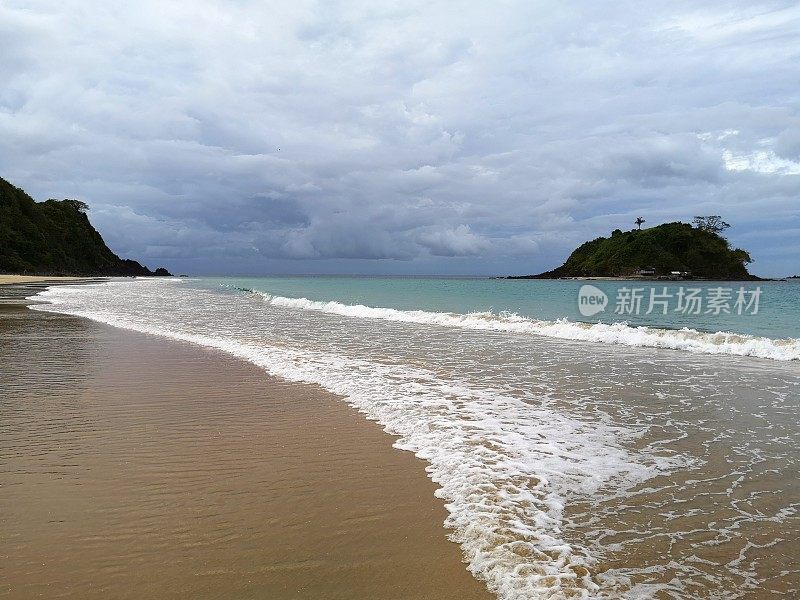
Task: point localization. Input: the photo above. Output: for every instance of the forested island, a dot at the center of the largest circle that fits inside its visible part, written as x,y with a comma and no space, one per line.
672,250
55,237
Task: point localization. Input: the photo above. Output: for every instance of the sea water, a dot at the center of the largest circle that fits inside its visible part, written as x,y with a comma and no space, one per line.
616,456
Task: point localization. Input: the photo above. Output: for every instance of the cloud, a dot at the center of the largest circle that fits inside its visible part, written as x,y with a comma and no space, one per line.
454,242
762,161
366,136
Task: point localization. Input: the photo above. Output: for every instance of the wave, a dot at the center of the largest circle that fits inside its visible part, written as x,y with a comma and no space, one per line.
690,340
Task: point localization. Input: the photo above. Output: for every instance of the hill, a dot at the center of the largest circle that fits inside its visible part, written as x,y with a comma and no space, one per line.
664,249
55,238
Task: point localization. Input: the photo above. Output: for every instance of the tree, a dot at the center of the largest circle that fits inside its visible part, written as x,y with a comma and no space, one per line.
711,223
639,222
81,207
742,256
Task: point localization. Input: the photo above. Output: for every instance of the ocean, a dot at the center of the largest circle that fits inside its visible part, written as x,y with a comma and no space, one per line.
646,450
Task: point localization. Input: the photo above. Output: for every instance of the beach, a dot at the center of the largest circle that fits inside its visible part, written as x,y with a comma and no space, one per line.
135,466
400,301
212,437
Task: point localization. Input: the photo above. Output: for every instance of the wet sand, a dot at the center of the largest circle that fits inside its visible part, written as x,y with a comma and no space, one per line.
137,467
16,279
15,288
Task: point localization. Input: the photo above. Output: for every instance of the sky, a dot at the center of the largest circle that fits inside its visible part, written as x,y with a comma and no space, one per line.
405,137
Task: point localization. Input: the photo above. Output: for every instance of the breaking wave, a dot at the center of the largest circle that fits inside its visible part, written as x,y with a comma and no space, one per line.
690,340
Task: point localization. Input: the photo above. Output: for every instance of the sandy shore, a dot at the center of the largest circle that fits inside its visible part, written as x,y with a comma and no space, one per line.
137,467
10,279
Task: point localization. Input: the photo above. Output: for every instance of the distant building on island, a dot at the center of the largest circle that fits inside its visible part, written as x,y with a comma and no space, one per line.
680,275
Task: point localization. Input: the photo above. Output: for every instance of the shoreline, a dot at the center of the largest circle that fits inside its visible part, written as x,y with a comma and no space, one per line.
46,279
144,466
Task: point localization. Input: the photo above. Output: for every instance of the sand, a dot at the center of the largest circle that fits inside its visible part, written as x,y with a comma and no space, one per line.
10,279
138,467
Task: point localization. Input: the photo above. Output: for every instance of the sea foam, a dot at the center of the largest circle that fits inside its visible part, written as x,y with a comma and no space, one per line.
621,333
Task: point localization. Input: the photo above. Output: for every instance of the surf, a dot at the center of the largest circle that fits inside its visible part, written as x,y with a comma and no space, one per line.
620,333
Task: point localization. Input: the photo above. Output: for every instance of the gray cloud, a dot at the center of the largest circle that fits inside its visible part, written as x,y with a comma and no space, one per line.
403,137
454,242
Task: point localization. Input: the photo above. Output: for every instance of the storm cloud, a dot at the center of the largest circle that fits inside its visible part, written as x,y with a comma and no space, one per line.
403,137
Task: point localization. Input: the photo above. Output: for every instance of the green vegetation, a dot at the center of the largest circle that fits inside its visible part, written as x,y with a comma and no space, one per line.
54,238
700,251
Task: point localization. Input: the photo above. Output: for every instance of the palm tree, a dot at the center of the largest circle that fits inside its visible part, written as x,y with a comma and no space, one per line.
639,221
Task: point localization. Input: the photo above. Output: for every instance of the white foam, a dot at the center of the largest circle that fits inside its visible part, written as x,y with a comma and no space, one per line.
505,467
690,340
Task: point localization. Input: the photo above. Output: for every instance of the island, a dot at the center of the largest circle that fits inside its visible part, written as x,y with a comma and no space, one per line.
55,237
670,251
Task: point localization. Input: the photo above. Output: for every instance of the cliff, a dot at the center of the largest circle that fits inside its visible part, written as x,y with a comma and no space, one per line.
55,238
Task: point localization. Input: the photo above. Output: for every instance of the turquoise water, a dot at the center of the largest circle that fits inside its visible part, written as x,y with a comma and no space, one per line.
777,317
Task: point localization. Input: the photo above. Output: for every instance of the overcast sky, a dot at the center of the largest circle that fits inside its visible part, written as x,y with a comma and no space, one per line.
403,137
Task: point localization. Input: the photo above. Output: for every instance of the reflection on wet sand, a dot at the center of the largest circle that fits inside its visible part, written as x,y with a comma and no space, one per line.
135,467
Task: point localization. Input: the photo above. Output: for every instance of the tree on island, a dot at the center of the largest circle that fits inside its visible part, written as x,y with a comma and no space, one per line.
639,222
712,223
